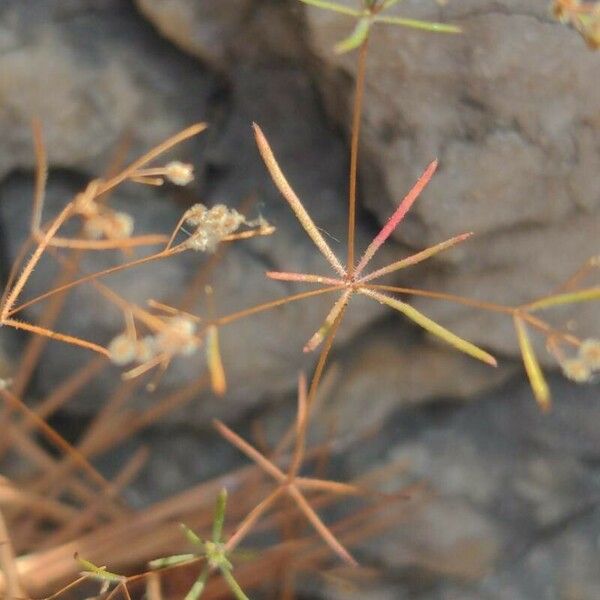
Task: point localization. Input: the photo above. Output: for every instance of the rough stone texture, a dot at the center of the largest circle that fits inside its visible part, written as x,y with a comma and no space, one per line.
91,72
513,509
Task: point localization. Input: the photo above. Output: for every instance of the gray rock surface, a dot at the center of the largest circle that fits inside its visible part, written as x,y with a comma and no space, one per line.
512,510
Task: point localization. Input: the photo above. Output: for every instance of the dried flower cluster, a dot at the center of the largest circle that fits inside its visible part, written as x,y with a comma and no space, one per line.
99,220
211,225
586,364
176,336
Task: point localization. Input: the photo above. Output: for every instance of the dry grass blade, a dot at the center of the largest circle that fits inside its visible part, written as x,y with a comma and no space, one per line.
32,262
8,563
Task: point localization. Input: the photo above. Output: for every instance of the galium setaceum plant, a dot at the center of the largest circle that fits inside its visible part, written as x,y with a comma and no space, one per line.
156,334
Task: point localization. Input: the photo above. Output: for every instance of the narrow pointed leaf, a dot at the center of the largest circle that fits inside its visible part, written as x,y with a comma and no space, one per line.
191,536
320,334
215,364
540,388
320,527
288,193
356,38
98,572
199,585
585,295
398,215
302,278
432,327
416,24
234,586
418,257
332,6
170,561
217,531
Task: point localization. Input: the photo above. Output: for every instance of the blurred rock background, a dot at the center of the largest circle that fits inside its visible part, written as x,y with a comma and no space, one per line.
512,110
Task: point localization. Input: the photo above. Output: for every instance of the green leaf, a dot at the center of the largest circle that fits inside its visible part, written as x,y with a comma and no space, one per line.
416,24
356,38
532,367
340,8
191,536
234,586
169,561
426,323
98,572
585,295
199,585
219,516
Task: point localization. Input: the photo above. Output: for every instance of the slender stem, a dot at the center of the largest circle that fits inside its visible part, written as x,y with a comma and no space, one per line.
303,278
268,305
320,527
41,176
56,439
54,335
414,259
491,306
187,133
547,329
92,276
243,446
356,116
33,261
107,244
301,424
251,518
8,563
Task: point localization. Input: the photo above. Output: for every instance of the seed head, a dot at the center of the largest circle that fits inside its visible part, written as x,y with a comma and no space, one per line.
576,370
178,337
179,173
589,353
122,350
145,349
123,225
211,225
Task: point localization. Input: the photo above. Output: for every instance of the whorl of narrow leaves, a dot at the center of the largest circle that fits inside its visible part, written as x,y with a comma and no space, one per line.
213,551
369,16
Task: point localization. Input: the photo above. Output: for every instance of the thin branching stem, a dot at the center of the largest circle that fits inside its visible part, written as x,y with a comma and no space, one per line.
225,320
356,119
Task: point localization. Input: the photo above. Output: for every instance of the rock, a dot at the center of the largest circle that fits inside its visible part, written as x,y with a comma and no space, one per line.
125,82
391,369
510,108
513,495
223,33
